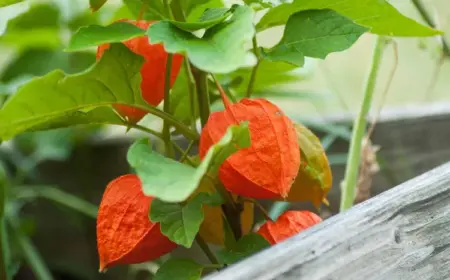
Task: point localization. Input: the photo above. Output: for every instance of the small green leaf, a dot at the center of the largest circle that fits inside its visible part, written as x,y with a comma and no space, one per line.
221,49
94,35
172,181
208,19
181,223
4,3
245,247
379,15
115,79
195,8
96,4
315,33
179,269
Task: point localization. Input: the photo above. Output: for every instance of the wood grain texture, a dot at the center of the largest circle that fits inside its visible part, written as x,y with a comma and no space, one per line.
403,233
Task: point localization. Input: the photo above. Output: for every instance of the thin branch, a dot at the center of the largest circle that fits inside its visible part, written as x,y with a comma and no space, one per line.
205,248
166,126
251,83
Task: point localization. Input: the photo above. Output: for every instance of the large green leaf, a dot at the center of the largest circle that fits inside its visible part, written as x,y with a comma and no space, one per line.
115,79
179,269
378,15
94,35
245,247
4,3
208,19
315,33
173,181
181,223
221,49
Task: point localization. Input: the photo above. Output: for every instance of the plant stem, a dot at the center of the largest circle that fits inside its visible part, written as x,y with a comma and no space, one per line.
186,152
3,244
166,126
31,255
348,185
251,83
167,8
205,248
231,210
202,95
145,129
260,207
429,20
192,93
181,151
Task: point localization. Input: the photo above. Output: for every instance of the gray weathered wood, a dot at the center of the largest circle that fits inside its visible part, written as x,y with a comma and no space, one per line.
403,233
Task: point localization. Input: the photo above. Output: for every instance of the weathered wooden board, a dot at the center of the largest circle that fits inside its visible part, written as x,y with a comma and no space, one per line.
403,233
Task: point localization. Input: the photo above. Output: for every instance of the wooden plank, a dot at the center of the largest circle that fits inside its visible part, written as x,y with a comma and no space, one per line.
403,233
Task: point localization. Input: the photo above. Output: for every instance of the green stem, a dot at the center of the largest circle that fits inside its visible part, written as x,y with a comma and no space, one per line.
186,152
145,129
205,248
251,83
191,92
231,210
260,207
186,131
181,151
30,253
177,10
429,20
348,185
167,8
166,126
58,196
202,95
3,244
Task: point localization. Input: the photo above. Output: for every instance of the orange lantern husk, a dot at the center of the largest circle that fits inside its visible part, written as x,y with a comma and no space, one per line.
269,166
288,224
125,235
152,72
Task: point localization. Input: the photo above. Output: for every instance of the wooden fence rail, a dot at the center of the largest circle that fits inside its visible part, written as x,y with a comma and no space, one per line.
403,233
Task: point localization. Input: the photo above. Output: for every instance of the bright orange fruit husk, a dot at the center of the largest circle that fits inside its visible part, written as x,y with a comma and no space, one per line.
153,70
269,166
288,224
125,235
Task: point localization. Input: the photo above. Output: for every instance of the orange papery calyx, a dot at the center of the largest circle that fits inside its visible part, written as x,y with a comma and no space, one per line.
153,70
288,224
125,235
269,166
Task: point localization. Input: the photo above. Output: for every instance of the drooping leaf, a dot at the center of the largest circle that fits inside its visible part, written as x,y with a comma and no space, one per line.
96,4
379,15
213,227
314,178
208,19
114,79
181,223
180,269
173,181
94,35
221,49
246,246
4,3
315,33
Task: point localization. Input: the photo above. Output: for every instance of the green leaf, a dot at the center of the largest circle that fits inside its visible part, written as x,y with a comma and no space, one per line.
195,8
100,115
96,4
152,9
245,247
180,269
208,19
179,99
4,3
173,181
94,35
379,15
181,223
315,33
115,79
220,50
